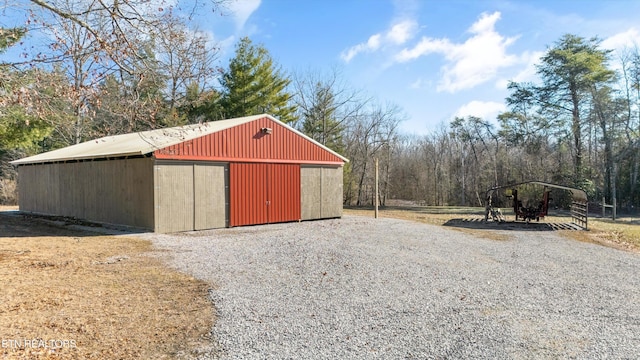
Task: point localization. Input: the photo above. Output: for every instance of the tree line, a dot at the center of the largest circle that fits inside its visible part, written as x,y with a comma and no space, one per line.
124,67
577,125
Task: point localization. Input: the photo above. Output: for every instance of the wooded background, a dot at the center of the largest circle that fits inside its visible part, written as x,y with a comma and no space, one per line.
122,67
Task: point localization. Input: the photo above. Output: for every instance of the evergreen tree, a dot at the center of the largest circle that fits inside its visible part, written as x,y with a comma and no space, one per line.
20,129
253,84
570,72
320,120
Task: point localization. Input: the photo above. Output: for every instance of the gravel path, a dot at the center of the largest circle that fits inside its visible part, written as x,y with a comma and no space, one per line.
359,288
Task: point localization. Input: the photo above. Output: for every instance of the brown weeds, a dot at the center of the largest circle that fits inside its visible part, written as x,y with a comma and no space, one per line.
71,295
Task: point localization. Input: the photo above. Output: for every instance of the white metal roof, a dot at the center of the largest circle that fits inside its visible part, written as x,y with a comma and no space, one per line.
145,142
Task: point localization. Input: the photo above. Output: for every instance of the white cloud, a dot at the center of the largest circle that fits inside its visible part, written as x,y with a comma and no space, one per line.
424,47
528,73
471,63
620,41
371,45
398,34
485,23
402,32
487,110
241,10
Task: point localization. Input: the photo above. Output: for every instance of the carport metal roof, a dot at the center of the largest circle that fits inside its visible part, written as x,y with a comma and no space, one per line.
577,194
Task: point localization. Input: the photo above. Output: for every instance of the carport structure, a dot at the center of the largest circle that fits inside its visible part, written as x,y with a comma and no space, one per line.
244,171
579,204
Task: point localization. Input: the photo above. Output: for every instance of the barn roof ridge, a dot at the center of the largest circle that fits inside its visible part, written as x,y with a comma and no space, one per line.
145,142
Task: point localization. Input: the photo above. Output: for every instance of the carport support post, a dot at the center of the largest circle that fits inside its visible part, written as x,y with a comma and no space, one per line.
376,192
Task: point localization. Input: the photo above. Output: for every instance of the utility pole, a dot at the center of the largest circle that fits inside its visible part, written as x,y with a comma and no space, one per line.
376,192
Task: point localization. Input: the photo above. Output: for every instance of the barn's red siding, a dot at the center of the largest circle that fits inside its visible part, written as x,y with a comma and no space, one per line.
262,193
247,143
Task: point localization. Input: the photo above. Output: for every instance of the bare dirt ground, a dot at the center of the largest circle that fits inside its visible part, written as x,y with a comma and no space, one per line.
68,294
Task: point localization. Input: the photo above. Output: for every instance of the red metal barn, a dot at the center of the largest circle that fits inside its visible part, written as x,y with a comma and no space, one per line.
244,171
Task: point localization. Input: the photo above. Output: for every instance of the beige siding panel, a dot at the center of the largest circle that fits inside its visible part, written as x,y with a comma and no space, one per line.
114,191
321,192
132,180
331,192
310,192
174,197
211,195
39,189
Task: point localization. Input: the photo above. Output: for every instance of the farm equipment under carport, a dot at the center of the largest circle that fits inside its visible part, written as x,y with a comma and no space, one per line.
537,206
532,208
535,210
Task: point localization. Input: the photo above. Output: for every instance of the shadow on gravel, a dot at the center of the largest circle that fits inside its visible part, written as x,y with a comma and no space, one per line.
480,224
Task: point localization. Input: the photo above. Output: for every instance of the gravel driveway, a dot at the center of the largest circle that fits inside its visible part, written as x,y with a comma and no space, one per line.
360,288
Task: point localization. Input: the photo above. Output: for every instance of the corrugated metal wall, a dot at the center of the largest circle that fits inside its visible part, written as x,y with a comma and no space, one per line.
262,193
247,143
247,194
283,192
114,191
321,192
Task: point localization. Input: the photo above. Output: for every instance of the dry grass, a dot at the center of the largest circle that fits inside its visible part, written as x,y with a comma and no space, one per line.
433,215
621,234
103,295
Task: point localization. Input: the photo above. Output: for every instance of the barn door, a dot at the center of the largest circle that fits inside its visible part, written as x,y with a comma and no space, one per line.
210,196
283,203
263,193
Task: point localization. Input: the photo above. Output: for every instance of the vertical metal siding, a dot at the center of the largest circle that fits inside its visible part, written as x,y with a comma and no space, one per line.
247,192
283,193
246,142
263,193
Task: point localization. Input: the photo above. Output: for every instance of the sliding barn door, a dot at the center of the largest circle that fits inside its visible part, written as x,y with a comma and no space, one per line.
262,193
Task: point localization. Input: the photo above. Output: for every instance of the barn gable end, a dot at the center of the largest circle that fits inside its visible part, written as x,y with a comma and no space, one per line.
248,142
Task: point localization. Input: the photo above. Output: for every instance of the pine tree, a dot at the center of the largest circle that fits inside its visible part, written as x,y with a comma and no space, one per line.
320,120
254,84
19,129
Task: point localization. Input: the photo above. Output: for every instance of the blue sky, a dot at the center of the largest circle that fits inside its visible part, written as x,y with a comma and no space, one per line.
435,59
